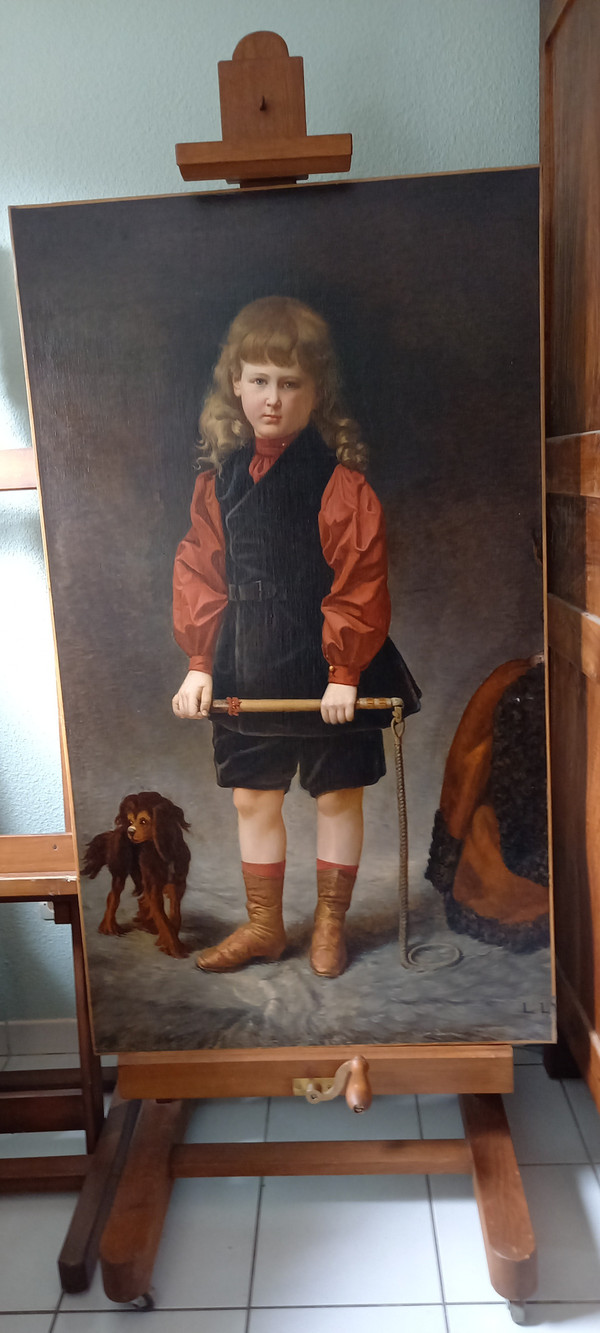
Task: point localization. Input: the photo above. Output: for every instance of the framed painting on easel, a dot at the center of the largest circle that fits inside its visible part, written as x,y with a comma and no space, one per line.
343,381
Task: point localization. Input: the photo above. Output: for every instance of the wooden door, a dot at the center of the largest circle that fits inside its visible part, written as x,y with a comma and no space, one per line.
570,152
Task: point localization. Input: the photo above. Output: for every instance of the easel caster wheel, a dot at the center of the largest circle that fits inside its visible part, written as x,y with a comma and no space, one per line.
518,1311
143,1303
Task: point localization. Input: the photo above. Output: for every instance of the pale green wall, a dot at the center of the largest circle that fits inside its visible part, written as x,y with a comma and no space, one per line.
93,96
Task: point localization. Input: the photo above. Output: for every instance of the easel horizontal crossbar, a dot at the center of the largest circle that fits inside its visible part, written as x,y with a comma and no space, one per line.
372,1157
260,1073
35,1110
24,1175
42,888
43,1080
37,866
38,855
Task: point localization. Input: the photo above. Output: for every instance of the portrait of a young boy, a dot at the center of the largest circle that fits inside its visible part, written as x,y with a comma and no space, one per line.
289,446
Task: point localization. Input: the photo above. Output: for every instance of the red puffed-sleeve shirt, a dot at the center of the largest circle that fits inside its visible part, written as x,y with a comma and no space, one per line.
356,612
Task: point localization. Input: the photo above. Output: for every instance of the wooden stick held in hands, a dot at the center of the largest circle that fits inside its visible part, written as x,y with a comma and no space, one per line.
234,706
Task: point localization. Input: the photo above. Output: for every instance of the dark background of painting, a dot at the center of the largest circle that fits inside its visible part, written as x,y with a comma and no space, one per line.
430,286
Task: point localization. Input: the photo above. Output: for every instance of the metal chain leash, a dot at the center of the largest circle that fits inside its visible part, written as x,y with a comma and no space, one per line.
422,957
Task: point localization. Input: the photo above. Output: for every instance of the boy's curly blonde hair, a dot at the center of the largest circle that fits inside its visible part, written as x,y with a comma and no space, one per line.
281,330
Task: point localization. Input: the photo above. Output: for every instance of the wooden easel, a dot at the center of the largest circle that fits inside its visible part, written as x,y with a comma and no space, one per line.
265,141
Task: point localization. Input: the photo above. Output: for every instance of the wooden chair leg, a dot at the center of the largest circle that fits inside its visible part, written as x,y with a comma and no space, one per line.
79,1254
133,1231
505,1222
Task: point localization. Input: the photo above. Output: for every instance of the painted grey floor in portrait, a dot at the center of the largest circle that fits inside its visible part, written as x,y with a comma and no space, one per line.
143,1000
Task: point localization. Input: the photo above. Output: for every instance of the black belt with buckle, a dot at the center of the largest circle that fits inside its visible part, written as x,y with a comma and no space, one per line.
259,591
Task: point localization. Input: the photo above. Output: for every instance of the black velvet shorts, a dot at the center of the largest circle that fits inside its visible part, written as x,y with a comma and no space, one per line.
268,763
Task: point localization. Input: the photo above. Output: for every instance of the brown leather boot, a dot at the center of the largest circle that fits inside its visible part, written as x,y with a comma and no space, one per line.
262,937
328,955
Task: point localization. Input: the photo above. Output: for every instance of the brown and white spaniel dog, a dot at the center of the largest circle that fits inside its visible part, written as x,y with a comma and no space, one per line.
146,844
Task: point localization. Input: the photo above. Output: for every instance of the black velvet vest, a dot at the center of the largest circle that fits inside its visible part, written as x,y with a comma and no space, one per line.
269,644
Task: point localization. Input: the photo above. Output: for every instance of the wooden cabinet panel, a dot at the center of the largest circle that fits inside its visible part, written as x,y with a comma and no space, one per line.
571,162
570,120
574,550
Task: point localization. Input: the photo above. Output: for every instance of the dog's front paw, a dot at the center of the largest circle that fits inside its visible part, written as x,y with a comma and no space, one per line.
173,948
108,927
144,923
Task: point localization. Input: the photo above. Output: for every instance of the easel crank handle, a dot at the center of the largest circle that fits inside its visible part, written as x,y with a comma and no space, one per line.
351,1079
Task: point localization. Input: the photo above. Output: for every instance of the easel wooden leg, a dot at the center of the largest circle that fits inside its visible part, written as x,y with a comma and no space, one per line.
132,1235
505,1222
66,910
77,1259
91,1072
157,1156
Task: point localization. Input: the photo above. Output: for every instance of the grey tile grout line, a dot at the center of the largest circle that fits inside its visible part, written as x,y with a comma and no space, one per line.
52,1324
577,1125
591,1161
257,1225
237,1309
377,1305
586,1150
8,1314
433,1225
127,1309
399,1305
534,1166
529,1302
594,1165
358,1305
382,1305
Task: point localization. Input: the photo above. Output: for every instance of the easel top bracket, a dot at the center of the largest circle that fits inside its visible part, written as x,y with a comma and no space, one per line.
263,121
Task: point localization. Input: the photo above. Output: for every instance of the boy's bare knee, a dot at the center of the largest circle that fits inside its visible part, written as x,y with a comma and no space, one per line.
250,803
333,803
246,801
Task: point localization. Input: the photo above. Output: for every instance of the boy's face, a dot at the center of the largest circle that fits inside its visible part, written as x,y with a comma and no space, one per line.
277,400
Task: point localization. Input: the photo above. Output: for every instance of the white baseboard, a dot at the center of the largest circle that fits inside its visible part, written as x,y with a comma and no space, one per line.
40,1036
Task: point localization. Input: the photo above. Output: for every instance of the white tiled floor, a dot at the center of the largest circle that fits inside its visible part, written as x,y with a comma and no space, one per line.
362,1254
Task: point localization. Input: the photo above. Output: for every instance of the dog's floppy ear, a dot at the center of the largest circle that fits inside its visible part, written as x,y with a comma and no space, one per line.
122,819
175,811
167,822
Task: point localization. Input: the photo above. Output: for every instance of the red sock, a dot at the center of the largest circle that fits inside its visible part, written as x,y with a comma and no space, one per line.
269,870
336,865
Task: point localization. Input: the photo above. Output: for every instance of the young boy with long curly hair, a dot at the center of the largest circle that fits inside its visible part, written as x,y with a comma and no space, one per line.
280,591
